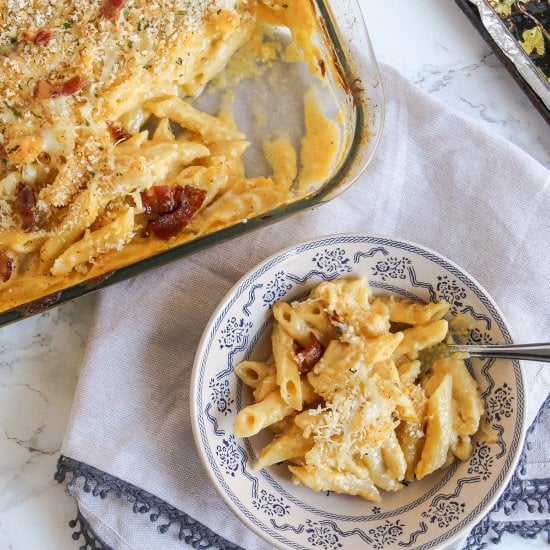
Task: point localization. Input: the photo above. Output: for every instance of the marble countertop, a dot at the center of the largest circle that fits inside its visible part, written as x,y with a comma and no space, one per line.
432,43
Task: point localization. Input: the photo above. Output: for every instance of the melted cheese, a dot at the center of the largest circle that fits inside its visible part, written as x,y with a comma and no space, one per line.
320,145
374,420
281,156
82,180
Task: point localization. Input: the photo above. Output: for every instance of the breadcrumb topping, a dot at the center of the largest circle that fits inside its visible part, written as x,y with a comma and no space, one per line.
46,44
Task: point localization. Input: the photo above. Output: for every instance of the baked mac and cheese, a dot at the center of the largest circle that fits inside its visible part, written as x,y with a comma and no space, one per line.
360,392
103,159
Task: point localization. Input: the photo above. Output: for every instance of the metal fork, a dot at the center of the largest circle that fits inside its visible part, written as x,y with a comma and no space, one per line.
526,352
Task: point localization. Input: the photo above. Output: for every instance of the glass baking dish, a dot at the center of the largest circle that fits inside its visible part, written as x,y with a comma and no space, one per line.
349,91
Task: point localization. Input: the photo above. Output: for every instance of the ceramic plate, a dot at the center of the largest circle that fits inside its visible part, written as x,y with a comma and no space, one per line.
426,514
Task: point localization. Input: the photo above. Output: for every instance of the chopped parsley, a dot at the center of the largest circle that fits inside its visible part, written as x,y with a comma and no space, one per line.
13,110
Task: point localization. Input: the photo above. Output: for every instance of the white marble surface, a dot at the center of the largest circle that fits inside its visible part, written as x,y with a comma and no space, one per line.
432,43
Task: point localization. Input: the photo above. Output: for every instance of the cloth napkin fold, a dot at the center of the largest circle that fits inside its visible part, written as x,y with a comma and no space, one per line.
437,179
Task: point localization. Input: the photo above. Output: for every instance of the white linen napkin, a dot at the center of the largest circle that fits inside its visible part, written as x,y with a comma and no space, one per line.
437,179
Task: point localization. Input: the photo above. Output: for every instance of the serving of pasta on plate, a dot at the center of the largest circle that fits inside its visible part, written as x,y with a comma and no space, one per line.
325,397
360,391
103,158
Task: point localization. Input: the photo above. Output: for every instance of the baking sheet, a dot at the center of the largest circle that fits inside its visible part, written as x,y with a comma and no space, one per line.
520,29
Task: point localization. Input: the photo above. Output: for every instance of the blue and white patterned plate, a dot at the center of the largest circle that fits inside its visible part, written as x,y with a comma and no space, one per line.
426,514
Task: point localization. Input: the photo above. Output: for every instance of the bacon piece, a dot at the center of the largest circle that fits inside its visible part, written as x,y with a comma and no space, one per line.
45,90
310,355
25,201
73,85
159,199
117,131
41,36
3,152
6,266
187,201
111,9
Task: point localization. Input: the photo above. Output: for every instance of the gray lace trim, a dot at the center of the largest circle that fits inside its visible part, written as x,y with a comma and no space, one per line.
85,531
533,493
101,484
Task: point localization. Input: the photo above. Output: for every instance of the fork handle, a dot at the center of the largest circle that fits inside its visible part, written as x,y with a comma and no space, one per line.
526,352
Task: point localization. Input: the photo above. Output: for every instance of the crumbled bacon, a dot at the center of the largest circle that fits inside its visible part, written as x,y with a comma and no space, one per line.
159,199
45,90
3,152
6,266
172,208
41,36
118,132
73,85
310,355
26,206
111,9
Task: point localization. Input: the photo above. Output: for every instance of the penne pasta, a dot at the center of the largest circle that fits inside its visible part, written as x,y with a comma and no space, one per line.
291,322
210,128
465,392
414,313
393,456
438,429
94,243
252,373
82,214
288,376
324,479
134,119
422,336
409,372
369,418
379,474
266,385
316,317
255,418
287,446
163,132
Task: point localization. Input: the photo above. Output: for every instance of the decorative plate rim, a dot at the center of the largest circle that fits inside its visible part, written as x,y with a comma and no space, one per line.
296,250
